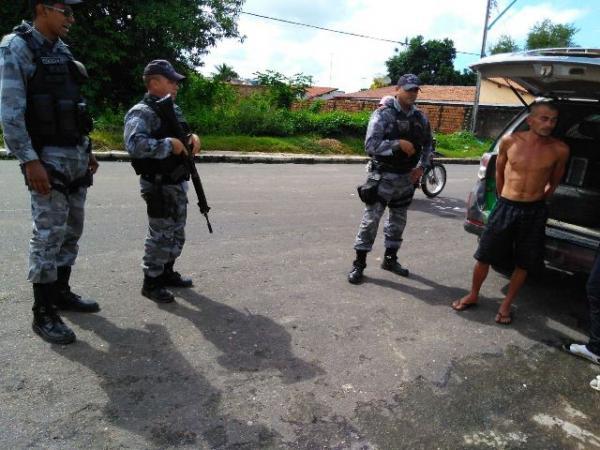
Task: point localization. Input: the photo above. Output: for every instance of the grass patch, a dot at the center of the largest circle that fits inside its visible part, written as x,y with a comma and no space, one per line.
456,145
104,141
107,140
462,144
296,144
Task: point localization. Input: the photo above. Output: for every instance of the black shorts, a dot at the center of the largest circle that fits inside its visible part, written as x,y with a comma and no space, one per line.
515,233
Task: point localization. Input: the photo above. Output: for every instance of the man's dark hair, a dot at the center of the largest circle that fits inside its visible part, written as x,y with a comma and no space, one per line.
33,4
543,102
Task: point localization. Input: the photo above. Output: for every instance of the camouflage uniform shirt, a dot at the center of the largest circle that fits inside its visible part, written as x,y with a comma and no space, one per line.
17,67
382,122
140,124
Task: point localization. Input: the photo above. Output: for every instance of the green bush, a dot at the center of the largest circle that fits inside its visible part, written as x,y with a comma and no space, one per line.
109,120
461,144
316,105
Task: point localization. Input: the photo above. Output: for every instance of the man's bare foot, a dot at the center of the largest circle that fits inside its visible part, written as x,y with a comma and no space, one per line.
504,319
464,303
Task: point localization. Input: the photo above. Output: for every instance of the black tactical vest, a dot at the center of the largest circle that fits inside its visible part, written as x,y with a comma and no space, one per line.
171,168
56,113
410,129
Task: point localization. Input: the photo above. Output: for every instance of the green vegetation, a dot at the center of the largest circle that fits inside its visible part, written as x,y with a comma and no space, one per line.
462,144
296,144
432,61
115,39
227,120
455,145
544,34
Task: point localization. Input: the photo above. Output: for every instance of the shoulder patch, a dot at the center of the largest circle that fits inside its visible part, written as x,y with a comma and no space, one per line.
6,40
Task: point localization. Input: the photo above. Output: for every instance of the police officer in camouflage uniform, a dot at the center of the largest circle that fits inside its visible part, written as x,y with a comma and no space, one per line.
399,143
157,158
45,126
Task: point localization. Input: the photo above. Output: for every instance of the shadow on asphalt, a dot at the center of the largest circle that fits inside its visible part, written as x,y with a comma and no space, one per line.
551,297
152,391
249,342
434,293
445,207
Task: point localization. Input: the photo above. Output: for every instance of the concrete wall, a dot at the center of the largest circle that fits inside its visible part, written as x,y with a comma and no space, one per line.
492,119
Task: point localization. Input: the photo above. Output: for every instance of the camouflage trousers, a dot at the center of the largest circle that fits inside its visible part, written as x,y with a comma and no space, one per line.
166,235
396,192
57,222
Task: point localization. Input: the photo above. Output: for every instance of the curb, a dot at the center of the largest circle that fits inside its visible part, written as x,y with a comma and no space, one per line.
263,158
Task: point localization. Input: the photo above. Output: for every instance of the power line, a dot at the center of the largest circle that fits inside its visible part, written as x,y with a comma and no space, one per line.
348,33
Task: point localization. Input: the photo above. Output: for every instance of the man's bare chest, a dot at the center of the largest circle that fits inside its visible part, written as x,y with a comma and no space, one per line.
531,159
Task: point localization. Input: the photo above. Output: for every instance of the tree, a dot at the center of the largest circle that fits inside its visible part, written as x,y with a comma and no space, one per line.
224,73
504,44
284,90
116,39
546,34
432,61
380,81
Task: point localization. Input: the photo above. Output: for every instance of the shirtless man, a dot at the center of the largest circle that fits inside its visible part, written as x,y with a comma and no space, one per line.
529,167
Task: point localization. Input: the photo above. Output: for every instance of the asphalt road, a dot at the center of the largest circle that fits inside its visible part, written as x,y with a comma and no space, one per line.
273,348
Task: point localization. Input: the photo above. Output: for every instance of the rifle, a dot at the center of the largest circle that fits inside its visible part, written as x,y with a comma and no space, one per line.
166,109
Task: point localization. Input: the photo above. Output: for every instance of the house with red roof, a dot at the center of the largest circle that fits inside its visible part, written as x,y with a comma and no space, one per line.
321,93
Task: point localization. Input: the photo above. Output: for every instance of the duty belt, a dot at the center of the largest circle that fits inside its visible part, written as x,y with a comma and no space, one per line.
380,166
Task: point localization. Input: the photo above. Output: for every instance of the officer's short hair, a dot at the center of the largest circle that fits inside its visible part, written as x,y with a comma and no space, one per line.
34,3
148,78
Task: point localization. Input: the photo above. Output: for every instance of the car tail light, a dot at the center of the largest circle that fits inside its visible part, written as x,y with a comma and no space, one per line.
485,160
478,223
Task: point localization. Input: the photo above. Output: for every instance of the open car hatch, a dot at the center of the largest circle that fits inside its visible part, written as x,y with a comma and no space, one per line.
572,73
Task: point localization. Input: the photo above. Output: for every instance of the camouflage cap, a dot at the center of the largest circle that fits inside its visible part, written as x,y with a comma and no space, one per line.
164,68
409,81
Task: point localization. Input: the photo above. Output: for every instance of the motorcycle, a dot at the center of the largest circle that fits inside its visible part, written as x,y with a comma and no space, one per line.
433,180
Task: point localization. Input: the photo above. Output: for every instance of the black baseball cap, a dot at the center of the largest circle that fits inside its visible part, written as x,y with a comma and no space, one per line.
32,3
164,68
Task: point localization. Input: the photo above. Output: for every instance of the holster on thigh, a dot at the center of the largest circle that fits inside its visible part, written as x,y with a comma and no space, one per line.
157,204
368,192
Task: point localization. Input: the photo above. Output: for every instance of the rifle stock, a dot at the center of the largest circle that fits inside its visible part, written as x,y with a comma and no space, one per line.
167,110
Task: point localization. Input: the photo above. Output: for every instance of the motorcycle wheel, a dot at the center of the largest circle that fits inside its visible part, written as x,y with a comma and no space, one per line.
433,180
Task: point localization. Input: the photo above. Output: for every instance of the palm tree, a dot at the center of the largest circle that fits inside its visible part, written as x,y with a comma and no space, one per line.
224,73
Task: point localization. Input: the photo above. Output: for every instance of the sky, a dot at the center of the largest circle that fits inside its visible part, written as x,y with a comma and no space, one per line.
351,63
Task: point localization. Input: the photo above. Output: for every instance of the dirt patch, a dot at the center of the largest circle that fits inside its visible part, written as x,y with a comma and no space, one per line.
333,145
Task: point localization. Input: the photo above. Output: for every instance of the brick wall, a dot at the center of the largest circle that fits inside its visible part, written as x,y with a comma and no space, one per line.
445,117
244,90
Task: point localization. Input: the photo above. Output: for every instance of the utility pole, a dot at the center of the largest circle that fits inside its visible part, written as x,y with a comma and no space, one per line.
478,86
486,28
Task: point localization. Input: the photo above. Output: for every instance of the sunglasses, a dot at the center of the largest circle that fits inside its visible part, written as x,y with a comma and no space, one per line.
67,12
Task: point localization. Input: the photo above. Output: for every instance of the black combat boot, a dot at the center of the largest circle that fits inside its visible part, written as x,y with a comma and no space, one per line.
174,279
46,322
390,262
154,289
358,266
68,301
